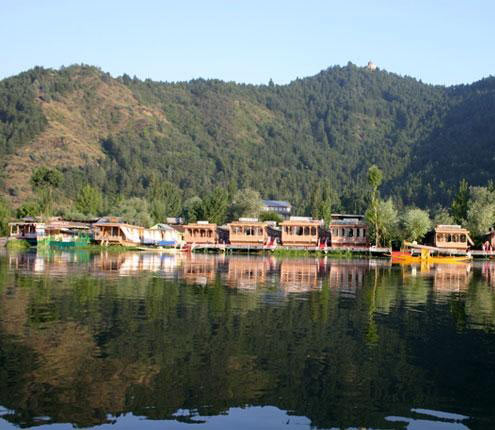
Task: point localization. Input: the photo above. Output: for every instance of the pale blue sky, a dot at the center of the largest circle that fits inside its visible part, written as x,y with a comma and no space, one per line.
437,41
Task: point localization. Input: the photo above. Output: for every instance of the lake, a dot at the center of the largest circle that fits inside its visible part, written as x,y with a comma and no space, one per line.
149,341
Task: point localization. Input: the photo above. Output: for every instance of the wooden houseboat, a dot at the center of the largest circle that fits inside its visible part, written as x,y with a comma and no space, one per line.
62,233
446,237
301,232
201,232
348,231
250,231
110,231
28,229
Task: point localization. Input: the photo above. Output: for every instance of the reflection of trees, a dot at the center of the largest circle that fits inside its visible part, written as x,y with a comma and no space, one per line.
79,348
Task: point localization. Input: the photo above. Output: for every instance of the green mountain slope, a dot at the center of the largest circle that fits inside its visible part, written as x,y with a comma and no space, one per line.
121,134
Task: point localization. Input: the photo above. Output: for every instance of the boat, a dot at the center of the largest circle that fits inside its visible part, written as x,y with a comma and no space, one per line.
426,257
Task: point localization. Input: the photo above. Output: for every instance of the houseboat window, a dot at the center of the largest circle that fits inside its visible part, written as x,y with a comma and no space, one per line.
342,232
351,232
449,238
463,238
306,231
313,231
260,231
358,232
209,233
202,233
456,238
440,237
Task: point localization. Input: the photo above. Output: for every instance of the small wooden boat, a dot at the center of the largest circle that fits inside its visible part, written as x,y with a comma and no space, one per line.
426,257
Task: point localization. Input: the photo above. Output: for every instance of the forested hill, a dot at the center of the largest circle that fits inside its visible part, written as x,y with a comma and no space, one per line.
121,134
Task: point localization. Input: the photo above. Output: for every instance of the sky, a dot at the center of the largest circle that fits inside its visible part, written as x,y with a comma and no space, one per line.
437,41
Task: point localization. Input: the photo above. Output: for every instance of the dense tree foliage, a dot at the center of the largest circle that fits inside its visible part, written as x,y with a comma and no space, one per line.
278,140
416,224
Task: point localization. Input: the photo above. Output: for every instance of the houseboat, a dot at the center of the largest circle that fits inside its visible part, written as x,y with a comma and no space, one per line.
348,231
449,237
110,231
63,233
28,229
162,235
201,232
301,232
250,231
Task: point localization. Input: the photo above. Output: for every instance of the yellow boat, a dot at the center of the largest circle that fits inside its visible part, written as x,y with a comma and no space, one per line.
426,257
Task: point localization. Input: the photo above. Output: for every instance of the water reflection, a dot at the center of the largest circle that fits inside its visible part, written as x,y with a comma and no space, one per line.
88,339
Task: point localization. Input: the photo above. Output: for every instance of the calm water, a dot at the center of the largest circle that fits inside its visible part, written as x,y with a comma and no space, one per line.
148,341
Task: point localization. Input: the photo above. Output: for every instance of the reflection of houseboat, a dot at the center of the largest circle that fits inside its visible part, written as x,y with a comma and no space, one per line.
247,272
301,232
451,277
201,232
199,269
250,231
297,275
348,231
348,276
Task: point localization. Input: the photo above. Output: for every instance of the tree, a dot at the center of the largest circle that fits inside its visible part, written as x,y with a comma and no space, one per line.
215,206
270,216
416,224
442,216
383,220
5,215
134,211
481,213
460,203
29,208
247,203
89,201
375,177
165,200
44,181
193,209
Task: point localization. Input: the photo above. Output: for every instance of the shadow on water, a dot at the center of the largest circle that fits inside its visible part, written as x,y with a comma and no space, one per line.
168,341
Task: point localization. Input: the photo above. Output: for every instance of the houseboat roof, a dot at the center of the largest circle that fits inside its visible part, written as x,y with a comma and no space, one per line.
345,216
68,224
348,221
277,203
200,224
102,222
248,221
298,220
451,227
161,226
